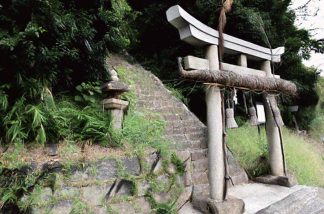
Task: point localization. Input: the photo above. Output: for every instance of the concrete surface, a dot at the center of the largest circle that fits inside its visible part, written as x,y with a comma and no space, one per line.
259,196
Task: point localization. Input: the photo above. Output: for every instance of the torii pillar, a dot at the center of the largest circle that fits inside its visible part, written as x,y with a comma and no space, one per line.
272,130
216,165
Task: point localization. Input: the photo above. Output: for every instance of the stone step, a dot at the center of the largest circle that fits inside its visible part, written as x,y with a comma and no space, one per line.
200,178
188,209
198,154
200,165
198,144
200,190
236,172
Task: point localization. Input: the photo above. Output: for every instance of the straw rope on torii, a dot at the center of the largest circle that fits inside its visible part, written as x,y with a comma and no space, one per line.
232,79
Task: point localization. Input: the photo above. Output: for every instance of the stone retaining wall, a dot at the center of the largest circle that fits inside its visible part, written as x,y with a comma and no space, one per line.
111,186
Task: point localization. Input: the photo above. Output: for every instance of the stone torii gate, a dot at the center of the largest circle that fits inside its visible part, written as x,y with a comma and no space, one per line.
208,70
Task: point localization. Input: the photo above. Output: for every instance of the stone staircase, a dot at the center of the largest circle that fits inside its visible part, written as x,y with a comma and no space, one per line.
183,128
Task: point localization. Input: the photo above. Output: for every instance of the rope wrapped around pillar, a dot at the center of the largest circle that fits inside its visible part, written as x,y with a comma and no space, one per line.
232,79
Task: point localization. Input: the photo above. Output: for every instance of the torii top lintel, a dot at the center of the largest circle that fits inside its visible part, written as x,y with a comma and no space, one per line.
196,33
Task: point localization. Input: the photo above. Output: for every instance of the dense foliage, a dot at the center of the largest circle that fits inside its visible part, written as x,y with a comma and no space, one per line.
269,23
49,47
317,124
55,47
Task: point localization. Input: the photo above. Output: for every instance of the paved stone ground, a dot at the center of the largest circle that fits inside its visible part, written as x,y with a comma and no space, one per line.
258,196
269,199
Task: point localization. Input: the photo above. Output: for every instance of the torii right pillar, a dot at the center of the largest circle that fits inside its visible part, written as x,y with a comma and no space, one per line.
276,151
272,130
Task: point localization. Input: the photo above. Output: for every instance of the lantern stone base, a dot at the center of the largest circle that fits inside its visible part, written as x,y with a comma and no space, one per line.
286,181
210,206
116,108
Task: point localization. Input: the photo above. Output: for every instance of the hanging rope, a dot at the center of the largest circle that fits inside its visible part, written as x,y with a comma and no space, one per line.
244,102
227,176
225,8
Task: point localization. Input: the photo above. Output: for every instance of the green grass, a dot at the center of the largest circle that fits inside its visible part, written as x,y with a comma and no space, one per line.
250,149
317,124
302,159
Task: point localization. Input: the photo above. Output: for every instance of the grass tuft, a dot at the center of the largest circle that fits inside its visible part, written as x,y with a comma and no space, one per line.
303,160
250,149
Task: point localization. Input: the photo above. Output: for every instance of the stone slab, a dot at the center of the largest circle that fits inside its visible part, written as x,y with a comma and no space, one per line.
288,181
195,63
95,195
316,206
184,197
106,169
132,165
293,203
228,206
142,206
199,154
67,192
188,209
123,208
258,196
62,207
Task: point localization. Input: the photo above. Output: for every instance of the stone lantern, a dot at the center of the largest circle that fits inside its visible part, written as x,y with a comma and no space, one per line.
113,103
293,110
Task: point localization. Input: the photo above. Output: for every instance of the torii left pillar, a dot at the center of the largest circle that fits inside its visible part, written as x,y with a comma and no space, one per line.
216,165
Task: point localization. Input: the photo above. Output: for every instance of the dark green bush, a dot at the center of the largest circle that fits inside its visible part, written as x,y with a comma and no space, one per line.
52,47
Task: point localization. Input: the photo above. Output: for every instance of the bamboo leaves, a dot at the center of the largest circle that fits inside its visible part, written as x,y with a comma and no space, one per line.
37,123
14,131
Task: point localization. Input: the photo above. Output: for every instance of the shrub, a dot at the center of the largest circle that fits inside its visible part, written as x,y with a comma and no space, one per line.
54,46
